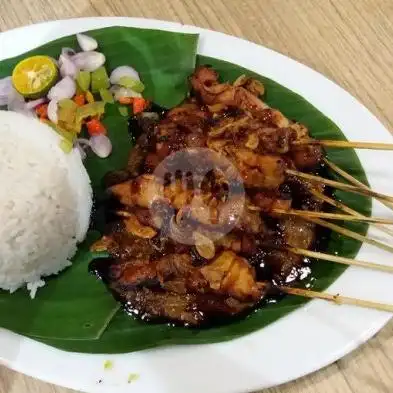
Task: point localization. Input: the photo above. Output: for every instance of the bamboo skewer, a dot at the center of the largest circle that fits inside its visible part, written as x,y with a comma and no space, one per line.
342,260
340,186
349,233
353,180
338,299
345,144
360,189
332,216
346,209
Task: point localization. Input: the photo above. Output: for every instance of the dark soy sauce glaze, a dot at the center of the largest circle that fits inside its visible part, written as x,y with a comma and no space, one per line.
105,220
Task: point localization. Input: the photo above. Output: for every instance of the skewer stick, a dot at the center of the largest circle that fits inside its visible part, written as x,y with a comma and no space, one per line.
340,186
331,216
342,260
346,209
351,234
338,299
345,144
353,180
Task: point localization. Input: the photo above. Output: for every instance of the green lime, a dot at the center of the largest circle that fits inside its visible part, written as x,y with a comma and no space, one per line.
34,76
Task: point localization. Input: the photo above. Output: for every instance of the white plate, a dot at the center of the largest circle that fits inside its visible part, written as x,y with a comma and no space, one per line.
304,341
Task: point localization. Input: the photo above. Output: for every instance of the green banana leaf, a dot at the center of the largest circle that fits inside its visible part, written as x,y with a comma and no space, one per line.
105,329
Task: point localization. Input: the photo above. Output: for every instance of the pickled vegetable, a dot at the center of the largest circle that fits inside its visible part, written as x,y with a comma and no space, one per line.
99,80
83,80
133,84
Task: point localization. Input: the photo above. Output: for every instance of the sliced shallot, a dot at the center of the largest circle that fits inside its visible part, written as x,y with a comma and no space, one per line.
68,67
33,104
101,145
121,72
88,61
52,111
86,42
66,88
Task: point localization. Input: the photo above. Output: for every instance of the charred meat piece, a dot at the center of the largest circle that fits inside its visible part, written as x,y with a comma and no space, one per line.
275,140
252,85
189,116
268,200
306,157
296,233
124,246
300,191
232,275
265,171
171,288
186,309
207,87
142,191
284,265
150,305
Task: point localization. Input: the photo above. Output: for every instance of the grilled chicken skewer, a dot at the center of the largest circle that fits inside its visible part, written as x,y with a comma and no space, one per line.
172,256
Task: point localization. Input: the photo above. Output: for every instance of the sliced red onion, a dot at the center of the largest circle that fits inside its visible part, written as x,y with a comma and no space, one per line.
5,90
86,43
66,88
123,92
68,67
89,61
33,104
123,71
52,111
101,145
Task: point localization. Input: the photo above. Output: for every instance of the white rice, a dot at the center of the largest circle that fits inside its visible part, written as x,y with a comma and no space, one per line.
45,203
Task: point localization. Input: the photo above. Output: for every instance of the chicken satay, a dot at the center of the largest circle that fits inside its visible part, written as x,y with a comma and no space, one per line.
123,245
297,233
231,274
254,86
265,171
142,191
134,227
191,284
186,309
306,157
188,297
150,305
267,201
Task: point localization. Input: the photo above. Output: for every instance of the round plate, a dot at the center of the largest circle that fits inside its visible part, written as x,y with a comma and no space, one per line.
307,339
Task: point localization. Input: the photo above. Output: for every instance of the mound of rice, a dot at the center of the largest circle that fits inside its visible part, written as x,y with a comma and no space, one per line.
45,203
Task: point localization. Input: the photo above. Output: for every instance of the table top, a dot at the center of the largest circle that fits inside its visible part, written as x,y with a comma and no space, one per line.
346,40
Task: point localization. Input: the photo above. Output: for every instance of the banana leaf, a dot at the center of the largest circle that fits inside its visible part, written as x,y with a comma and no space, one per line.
118,332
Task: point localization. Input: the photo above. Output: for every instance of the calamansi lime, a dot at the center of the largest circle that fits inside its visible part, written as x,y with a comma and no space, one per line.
34,76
